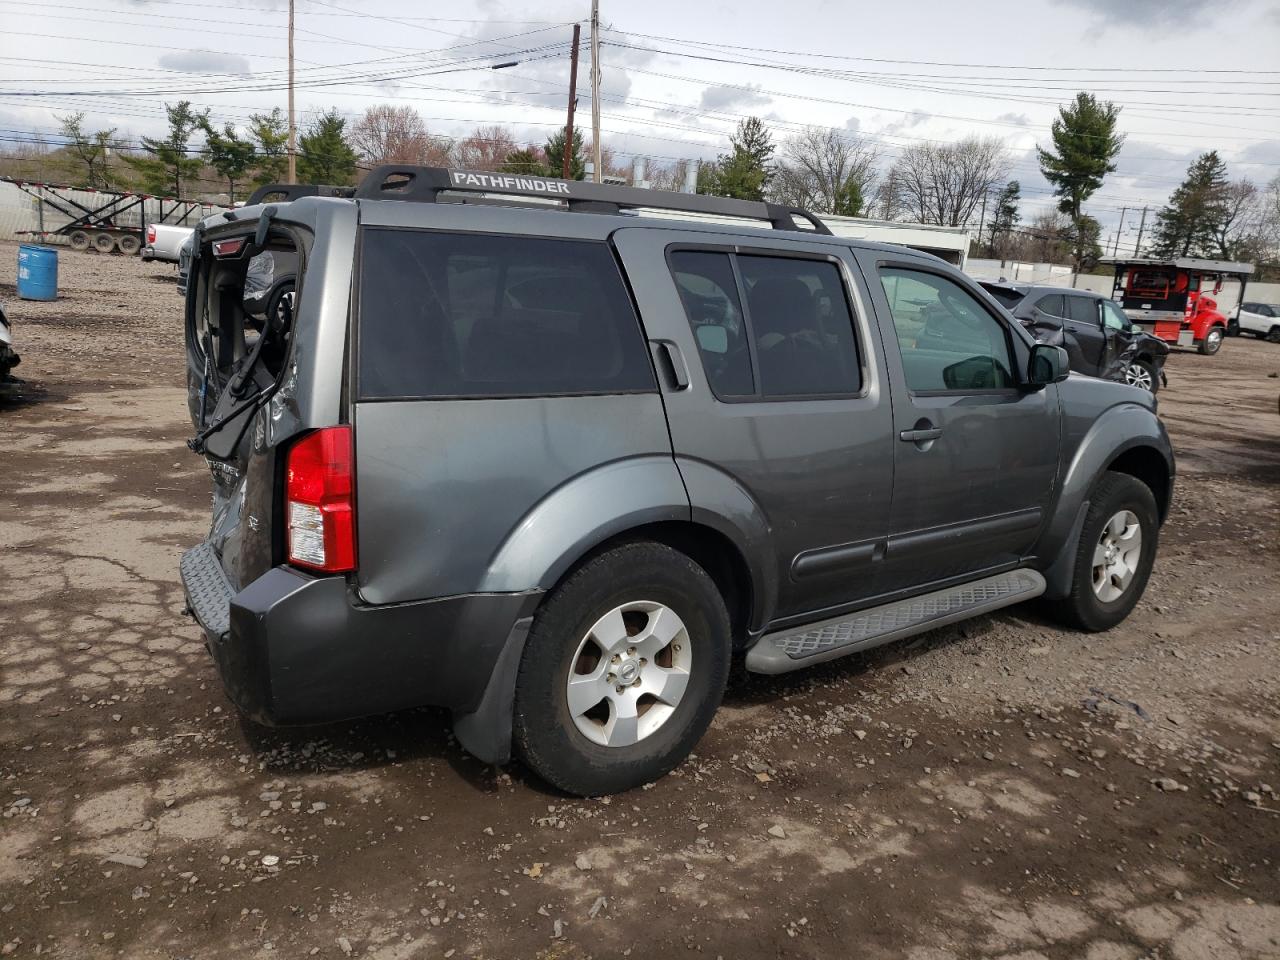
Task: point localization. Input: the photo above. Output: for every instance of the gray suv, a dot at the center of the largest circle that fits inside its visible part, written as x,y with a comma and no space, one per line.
518,450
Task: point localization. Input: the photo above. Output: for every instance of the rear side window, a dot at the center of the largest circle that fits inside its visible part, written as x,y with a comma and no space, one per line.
480,315
793,339
1052,305
1083,310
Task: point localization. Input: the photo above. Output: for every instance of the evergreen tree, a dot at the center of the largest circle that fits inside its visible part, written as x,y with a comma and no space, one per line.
229,153
1006,214
745,173
270,133
527,161
555,155
167,165
1085,144
849,201
324,154
1188,225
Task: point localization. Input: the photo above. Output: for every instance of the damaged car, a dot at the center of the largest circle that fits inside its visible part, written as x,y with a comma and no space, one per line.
1100,340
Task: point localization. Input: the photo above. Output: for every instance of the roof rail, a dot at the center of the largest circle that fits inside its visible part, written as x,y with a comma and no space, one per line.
284,192
425,184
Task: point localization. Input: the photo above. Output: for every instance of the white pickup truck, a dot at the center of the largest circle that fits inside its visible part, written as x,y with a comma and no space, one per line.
164,241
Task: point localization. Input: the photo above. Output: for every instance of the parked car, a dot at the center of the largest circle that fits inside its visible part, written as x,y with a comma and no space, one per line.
552,468
1100,340
8,356
1260,319
164,241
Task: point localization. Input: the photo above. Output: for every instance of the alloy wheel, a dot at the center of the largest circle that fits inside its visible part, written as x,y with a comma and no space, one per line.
1116,556
1138,376
629,673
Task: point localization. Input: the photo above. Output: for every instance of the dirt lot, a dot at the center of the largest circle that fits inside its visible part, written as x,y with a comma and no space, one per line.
997,789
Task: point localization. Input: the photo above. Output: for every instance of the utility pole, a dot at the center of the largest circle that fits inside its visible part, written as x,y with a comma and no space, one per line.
565,167
1115,250
597,173
1137,247
982,219
293,129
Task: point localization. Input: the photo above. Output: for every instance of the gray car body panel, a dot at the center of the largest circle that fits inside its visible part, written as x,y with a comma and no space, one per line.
502,490
470,510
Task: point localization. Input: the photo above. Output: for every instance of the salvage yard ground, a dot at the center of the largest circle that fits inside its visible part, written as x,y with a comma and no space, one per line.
1000,788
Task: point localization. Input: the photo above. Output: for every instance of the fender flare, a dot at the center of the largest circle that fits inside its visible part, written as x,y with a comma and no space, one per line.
1119,429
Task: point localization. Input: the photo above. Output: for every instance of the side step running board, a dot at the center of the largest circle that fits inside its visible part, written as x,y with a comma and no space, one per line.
801,646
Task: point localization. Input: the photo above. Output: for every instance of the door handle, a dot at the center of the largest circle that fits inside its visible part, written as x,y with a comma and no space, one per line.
920,436
672,362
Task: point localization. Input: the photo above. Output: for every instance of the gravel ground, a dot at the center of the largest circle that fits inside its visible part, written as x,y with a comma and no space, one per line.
1001,788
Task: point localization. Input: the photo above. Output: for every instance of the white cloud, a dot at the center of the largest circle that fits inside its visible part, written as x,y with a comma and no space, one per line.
204,61
723,98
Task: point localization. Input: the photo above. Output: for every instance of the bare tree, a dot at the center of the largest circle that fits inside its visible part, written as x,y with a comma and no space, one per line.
387,134
944,183
1240,217
487,148
92,149
667,176
826,172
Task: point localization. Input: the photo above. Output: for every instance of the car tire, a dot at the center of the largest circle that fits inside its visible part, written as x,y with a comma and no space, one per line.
1108,579
1273,335
592,634
1142,374
1212,341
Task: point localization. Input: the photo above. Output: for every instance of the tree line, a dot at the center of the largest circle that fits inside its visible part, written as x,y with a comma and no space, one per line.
963,183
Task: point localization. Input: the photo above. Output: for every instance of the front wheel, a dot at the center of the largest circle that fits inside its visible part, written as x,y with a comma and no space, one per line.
1212,341
1142,374
1116,552
623,670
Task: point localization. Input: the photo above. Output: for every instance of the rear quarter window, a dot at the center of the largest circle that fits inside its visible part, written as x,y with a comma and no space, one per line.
451,315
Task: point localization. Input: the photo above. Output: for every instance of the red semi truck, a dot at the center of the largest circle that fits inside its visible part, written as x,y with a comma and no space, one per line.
1175,299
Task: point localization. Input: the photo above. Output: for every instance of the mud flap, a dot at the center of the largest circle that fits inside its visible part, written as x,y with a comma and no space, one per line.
1061,572
485,733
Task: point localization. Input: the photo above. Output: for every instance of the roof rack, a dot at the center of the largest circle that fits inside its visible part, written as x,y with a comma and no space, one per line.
425,184
284,192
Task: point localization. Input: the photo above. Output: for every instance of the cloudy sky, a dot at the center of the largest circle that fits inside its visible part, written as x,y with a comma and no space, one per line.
678,76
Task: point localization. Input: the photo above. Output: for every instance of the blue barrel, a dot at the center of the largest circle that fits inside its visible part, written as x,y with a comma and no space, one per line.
37,272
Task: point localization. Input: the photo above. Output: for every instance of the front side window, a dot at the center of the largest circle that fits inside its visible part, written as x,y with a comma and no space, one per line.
947,340
1113,317
483,315
792,338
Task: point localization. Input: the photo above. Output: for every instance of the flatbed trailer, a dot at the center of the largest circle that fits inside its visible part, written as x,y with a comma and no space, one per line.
110,222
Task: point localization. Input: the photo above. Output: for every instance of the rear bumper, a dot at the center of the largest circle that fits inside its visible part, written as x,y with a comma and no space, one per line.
296,649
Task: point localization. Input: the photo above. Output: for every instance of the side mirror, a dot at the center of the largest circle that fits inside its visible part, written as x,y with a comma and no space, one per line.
1049,364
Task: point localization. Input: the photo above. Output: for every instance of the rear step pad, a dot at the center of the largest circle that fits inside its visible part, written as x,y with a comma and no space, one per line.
801,646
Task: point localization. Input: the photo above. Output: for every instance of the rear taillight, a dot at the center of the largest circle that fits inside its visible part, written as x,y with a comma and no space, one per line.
151,233
319,502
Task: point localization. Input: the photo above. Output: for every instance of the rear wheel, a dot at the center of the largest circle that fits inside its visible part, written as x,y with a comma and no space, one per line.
623,670
104,242
78,240
1273,335
128,244
1142,374
1212,341
1115,555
